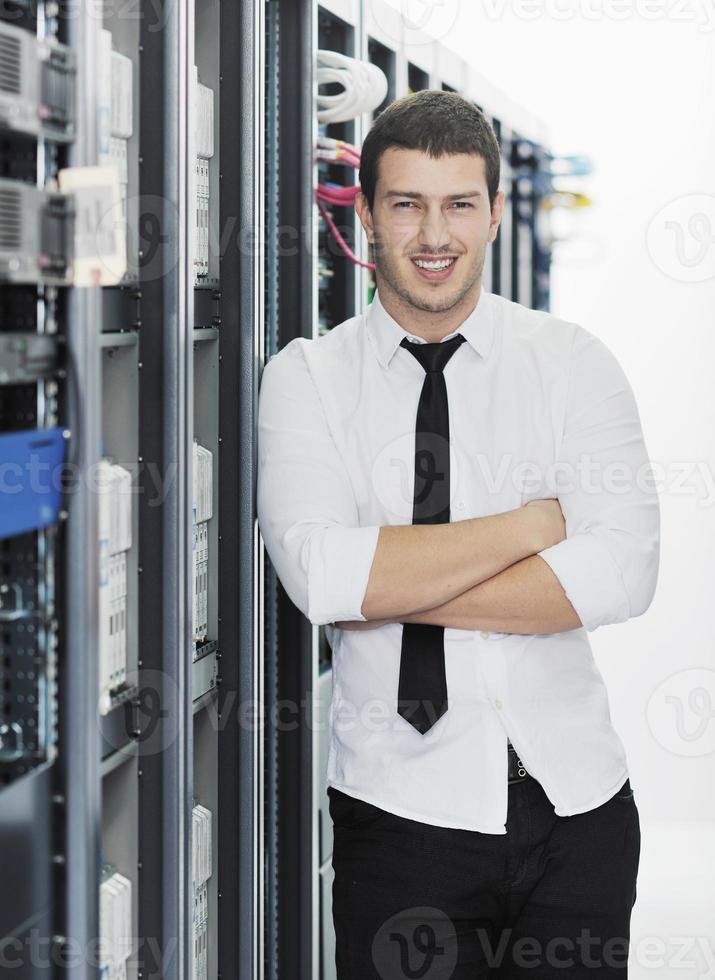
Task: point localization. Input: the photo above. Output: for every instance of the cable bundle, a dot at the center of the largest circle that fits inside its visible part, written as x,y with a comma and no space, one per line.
364,87
338,151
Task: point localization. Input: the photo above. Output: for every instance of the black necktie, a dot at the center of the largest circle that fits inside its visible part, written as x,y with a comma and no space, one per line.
422,688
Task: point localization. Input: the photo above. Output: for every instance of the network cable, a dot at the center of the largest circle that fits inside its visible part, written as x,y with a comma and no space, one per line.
364,87
338,151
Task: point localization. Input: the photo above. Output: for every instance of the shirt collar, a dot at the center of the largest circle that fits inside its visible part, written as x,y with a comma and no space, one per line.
385,333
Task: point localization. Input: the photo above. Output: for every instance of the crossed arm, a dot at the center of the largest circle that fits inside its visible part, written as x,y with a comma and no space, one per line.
524,598
516,590
502,572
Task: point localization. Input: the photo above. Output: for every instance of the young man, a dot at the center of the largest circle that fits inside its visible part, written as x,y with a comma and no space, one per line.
456,487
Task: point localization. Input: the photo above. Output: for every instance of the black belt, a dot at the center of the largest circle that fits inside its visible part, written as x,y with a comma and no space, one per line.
516,771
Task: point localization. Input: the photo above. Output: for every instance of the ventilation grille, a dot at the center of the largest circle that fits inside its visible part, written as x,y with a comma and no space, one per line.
10,64
10,220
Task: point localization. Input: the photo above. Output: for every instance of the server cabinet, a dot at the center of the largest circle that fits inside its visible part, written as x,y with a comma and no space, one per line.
206,314
130,621
296,256
48,733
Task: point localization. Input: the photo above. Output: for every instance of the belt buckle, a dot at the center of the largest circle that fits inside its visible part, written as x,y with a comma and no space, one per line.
516,771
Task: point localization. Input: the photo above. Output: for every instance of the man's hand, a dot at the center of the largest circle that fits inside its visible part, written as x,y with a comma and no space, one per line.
458,555
553,528
468,610
527,594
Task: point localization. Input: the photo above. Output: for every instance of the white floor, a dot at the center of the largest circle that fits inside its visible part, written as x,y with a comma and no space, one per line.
673,920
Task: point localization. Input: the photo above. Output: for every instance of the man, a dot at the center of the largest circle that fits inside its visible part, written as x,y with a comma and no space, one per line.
457,487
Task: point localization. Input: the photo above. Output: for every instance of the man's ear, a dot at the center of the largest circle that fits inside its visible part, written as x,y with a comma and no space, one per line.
497,210
362,209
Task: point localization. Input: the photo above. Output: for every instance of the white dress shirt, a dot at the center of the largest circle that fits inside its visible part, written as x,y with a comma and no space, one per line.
538,407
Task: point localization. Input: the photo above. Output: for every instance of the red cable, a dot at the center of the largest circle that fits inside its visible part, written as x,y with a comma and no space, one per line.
343,197
341,241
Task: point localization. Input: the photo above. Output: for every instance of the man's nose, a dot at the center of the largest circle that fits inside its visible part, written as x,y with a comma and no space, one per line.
434,230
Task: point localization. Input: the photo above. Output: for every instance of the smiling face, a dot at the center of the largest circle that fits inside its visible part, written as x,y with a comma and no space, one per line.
430,210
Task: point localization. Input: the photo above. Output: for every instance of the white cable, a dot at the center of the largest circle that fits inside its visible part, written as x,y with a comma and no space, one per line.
364,87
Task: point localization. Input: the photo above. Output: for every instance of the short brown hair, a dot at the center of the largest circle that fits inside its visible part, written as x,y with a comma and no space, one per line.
437,123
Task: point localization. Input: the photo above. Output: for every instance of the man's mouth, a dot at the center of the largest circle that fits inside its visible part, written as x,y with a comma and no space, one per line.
434,270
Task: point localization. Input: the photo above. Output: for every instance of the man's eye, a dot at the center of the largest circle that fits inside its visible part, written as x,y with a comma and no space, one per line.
409,204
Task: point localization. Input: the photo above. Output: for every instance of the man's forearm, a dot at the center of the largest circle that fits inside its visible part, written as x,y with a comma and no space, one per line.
524,598
418,567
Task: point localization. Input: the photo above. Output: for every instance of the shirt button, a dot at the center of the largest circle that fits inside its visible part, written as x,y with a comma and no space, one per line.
497,703
484,635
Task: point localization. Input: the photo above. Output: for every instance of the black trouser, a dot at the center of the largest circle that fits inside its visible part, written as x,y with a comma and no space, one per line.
550,898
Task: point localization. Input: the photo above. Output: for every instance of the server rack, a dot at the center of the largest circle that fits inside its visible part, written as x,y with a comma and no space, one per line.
292,298
202,319
241,810
43,831
133,373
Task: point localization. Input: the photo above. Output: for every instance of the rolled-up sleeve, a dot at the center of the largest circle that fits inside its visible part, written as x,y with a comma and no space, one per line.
608,563
306,508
